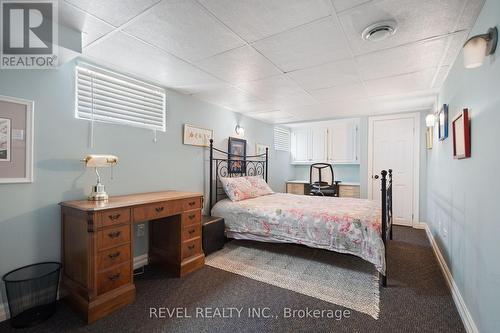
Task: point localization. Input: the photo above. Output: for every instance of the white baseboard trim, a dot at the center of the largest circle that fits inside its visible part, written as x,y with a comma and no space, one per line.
141,260
470,325
419,225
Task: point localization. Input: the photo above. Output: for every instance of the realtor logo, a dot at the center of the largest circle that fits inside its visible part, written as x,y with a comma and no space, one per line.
28,34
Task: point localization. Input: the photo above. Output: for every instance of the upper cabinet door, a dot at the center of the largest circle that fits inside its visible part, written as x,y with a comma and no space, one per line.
300,144
319,144
343,142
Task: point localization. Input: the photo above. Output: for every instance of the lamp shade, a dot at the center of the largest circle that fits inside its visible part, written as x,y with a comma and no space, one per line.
475,52
99,161
430,120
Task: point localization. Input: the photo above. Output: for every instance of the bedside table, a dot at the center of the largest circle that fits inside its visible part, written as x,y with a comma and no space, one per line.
212,233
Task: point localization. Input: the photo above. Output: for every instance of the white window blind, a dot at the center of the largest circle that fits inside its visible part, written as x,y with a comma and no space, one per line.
281,139
106,96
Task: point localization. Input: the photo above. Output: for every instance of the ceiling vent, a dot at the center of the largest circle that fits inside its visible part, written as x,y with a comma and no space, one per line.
380,31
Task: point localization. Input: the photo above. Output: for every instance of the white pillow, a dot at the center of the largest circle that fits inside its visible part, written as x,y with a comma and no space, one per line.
238,188
260,185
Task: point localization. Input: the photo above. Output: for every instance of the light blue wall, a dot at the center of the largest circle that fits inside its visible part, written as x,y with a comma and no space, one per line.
343,172
463,195
29,215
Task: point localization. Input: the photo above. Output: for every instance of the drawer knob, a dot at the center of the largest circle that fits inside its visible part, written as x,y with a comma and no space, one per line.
114,234
114,277
159,209
113,256
192,216
192,203
191,247
114,217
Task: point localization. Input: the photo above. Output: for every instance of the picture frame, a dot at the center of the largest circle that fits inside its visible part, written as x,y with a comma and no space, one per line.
17,126
197,136
237,151
260,149
461,135
443,123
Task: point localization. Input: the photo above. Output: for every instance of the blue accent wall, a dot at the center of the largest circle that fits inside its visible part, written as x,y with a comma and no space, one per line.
463,195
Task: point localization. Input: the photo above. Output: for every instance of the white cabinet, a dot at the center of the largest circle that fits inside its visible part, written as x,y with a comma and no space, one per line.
333,141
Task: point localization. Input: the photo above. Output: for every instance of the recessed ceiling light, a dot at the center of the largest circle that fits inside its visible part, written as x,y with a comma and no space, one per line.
380,30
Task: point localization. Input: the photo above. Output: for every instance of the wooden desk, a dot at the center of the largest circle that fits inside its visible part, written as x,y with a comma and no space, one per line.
97,253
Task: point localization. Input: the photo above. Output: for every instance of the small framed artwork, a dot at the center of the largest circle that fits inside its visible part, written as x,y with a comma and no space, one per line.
260,149
461,135
237,150
16,140
196,136
443,123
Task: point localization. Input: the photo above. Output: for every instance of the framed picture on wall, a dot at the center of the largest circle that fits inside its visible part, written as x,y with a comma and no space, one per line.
260,149
197,136
461,135
16,140
443,122
237,151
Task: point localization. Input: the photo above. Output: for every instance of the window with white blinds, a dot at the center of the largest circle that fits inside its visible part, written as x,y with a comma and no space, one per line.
106,96
281,139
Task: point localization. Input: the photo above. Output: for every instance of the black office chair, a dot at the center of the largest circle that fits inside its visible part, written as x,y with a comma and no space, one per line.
321,180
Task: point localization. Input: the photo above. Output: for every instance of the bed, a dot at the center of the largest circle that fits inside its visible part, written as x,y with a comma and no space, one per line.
353,226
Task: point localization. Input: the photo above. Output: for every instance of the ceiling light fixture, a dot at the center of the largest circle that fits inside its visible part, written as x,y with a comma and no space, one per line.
380,30
478,47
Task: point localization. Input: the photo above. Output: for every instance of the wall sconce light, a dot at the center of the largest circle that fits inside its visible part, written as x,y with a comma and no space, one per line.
478,47
240,130
430,120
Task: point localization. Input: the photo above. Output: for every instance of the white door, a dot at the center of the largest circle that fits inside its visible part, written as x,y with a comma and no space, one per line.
301,144
318,144
394,144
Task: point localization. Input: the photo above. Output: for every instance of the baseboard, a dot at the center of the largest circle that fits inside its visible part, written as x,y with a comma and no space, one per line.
419,225
467,320
3,312
141,260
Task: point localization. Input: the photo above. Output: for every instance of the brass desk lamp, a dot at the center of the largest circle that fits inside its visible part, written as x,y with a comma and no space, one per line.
99,161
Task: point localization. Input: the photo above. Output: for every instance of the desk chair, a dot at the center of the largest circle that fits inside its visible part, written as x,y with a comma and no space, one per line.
321,180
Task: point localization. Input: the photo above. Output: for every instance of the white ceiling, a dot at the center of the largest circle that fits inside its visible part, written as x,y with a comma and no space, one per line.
281,60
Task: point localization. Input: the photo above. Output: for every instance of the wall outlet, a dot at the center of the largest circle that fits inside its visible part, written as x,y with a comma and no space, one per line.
141,230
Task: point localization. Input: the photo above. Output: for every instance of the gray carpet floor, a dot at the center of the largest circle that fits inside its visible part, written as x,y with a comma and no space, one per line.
416,300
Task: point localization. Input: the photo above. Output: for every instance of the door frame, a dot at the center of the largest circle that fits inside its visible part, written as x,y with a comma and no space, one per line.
416,157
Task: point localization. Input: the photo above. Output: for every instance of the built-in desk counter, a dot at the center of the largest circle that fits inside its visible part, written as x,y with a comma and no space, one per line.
346,189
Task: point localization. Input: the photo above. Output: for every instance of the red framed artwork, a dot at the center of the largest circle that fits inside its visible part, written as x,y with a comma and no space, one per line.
461,135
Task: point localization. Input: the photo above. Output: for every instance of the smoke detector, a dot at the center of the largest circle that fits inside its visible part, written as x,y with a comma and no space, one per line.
380,30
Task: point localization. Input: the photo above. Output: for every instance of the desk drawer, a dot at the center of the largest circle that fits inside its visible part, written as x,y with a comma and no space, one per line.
191,248
113,236
112,257
157,210
191,218
114,217
192,203
113,278
190,232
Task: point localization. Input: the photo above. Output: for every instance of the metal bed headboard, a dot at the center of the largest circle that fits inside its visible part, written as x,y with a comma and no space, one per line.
251,165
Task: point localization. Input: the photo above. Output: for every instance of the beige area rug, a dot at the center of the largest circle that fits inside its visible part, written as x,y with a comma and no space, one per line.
332,277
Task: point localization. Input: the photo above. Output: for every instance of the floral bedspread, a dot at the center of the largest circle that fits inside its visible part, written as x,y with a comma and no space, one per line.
343,225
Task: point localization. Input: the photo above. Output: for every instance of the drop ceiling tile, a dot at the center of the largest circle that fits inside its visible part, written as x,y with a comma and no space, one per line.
441,76
309,45
75,18
456,42
254,20
470,14
403,59
239,65
185,29
342,5
132,56
343,92
328,75
401,84
416,20
273,116
228,97
115,12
